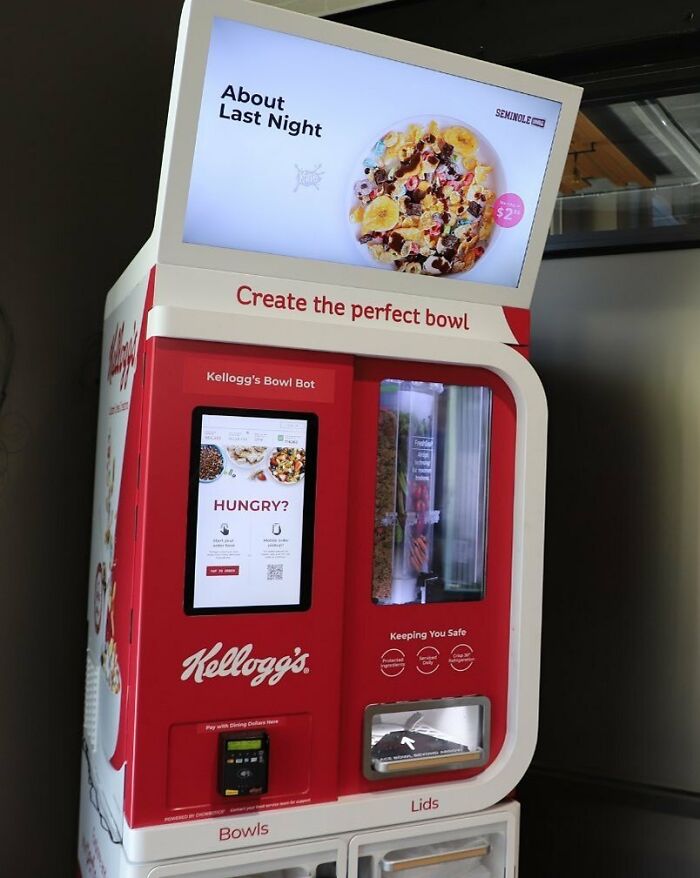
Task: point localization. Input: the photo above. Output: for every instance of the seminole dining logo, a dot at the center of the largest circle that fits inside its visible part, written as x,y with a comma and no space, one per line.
122,355
238,661
523,118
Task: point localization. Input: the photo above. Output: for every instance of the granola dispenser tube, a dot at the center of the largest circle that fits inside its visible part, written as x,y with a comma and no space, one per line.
385,493
406,468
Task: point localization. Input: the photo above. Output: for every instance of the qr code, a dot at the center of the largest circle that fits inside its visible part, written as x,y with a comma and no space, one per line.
274,571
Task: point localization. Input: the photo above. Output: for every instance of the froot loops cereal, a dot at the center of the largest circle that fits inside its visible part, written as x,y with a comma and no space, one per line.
424,204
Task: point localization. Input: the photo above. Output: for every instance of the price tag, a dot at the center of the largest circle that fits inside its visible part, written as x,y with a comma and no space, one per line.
508,210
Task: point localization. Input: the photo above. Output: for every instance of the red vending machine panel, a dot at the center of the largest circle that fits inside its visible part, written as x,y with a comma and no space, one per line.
425,667
240,535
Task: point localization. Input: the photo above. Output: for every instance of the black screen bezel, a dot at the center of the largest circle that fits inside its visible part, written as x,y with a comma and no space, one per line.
308,517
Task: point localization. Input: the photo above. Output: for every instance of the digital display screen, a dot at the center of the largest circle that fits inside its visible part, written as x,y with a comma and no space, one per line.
311,150
250,527
243,745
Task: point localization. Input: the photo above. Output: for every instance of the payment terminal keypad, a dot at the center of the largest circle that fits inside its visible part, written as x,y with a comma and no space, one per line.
243,763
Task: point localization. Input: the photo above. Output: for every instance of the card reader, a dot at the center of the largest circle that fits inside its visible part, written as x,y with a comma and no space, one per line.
243,761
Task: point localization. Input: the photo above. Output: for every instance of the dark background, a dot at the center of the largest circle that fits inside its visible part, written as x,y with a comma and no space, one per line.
84,116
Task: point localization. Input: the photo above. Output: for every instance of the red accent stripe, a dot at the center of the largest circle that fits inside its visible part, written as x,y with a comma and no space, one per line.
519,322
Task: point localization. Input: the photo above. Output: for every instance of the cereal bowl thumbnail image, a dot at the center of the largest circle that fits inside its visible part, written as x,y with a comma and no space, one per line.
211,463
246,455
288,465
422,198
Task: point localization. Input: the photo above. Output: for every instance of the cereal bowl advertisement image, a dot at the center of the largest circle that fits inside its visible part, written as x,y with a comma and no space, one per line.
425,201
314,151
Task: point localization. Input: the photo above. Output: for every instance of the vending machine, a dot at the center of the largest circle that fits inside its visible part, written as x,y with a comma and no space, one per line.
317,536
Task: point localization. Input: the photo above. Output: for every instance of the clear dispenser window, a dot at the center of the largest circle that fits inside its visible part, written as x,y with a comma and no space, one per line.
431,492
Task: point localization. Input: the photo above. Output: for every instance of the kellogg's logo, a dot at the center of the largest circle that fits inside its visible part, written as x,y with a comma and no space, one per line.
237,662
122,355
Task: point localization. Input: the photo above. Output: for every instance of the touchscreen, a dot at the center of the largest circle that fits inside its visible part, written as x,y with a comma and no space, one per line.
250,511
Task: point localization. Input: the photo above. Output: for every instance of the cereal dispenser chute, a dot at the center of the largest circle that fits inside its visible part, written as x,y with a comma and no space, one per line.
462,486
405,499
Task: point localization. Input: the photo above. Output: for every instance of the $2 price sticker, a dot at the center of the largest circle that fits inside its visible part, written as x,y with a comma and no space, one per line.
508,210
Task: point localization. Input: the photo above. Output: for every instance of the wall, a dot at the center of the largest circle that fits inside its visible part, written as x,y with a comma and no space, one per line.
84,119
616,777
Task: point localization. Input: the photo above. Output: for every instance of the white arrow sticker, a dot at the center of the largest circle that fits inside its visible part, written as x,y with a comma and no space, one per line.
409,741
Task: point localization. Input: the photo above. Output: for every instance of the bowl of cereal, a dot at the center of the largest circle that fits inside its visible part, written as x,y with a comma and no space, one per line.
211,463
422,199
288,465
246,455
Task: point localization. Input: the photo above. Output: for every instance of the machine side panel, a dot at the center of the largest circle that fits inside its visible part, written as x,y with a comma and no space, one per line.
107,675
99,853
